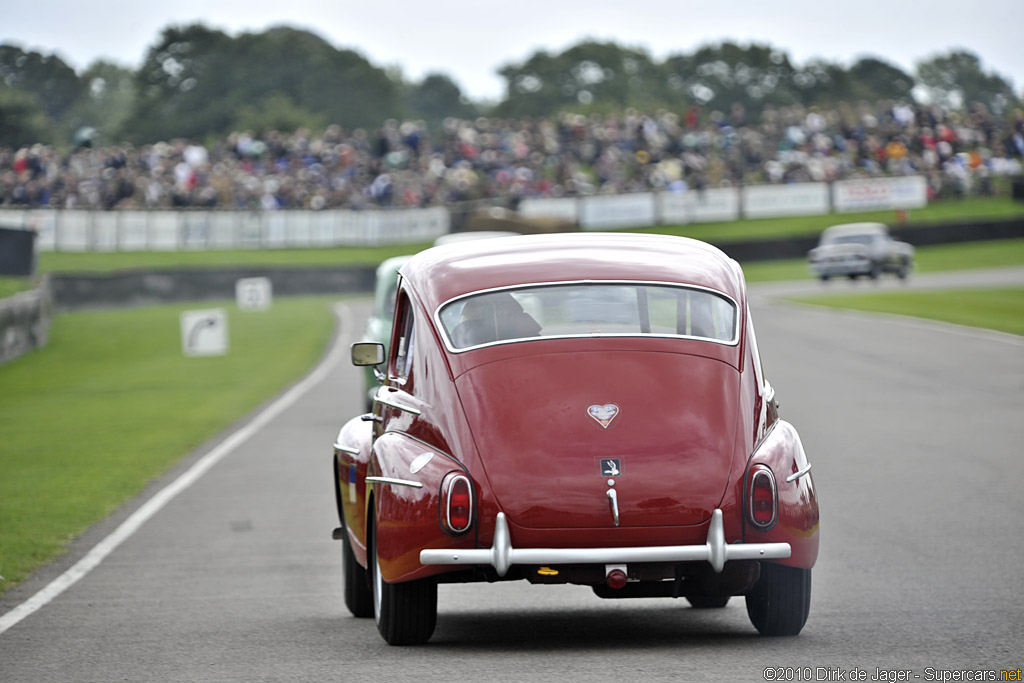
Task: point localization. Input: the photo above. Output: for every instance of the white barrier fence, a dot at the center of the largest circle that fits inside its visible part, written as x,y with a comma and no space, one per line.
732,203
709,206
73,230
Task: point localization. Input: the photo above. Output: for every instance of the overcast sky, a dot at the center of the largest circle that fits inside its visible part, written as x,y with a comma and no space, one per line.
469,41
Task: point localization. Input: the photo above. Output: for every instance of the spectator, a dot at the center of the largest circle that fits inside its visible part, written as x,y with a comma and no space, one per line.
401,164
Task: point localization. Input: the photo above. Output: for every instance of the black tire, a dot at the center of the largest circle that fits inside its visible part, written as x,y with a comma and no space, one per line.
708,602
780,601
358,598
824,278
903,270
406,613
875,271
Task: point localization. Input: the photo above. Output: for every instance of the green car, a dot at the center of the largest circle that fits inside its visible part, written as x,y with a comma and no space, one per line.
378,327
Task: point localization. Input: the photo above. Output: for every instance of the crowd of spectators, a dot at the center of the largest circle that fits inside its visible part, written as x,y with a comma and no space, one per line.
403,164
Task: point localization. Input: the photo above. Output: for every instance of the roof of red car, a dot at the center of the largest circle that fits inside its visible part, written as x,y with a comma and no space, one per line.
443,273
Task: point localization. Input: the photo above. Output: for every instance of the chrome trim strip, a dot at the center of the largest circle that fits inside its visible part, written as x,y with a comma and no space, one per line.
346,449
395,404
797,475
737,329
609,335
502,555
396,482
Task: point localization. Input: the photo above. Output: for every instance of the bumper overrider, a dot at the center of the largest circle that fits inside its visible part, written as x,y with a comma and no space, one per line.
502,555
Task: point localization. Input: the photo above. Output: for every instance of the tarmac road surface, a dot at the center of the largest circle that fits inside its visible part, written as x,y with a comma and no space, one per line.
915,433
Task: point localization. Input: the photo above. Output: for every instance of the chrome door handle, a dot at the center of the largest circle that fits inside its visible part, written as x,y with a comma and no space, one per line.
613,501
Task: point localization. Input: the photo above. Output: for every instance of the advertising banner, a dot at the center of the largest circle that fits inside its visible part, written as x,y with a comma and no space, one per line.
562,208
794,199
700,206
871,194
601,212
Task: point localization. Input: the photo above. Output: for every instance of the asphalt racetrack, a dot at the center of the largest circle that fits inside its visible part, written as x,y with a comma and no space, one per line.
915,434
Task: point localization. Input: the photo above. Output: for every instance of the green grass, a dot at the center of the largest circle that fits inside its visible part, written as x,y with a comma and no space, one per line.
13,285
944,257
773,271
969,255
995,309
111,403
62,261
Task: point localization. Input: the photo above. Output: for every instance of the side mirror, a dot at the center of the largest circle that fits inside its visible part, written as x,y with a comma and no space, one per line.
367,353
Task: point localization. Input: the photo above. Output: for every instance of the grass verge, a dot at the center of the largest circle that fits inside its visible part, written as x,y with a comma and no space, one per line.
111,403
64,261
12,285
999,309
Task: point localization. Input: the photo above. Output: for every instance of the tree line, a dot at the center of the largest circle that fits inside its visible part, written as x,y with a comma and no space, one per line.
200,83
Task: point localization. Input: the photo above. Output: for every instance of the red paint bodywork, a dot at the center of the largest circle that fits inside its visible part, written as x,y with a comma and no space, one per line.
693,417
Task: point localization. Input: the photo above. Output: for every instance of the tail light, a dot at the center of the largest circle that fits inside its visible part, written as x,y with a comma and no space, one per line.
456,503
764,499
615,576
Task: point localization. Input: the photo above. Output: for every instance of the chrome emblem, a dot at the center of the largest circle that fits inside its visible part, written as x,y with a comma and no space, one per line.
603,414
610,467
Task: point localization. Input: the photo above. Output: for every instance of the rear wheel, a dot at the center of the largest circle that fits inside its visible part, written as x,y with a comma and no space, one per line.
708,602
406,613
780,601
358,598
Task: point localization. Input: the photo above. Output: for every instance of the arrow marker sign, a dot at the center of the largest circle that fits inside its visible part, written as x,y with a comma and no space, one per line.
204,333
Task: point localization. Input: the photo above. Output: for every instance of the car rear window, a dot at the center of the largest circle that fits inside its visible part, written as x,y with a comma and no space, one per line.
588,310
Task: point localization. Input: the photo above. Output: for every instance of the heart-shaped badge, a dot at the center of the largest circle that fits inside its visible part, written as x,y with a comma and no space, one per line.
603,414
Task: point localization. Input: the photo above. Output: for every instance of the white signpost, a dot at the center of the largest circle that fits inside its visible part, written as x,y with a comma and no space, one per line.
204,333
253,293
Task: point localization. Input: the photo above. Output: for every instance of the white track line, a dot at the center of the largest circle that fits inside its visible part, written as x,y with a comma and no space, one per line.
102,549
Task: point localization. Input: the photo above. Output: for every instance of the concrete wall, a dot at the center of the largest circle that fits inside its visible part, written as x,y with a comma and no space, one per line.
25,322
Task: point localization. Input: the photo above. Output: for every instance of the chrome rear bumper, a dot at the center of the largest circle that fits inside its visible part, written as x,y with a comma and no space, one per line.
501,555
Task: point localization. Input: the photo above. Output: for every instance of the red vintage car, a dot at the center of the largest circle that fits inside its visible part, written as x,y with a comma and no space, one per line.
581,408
